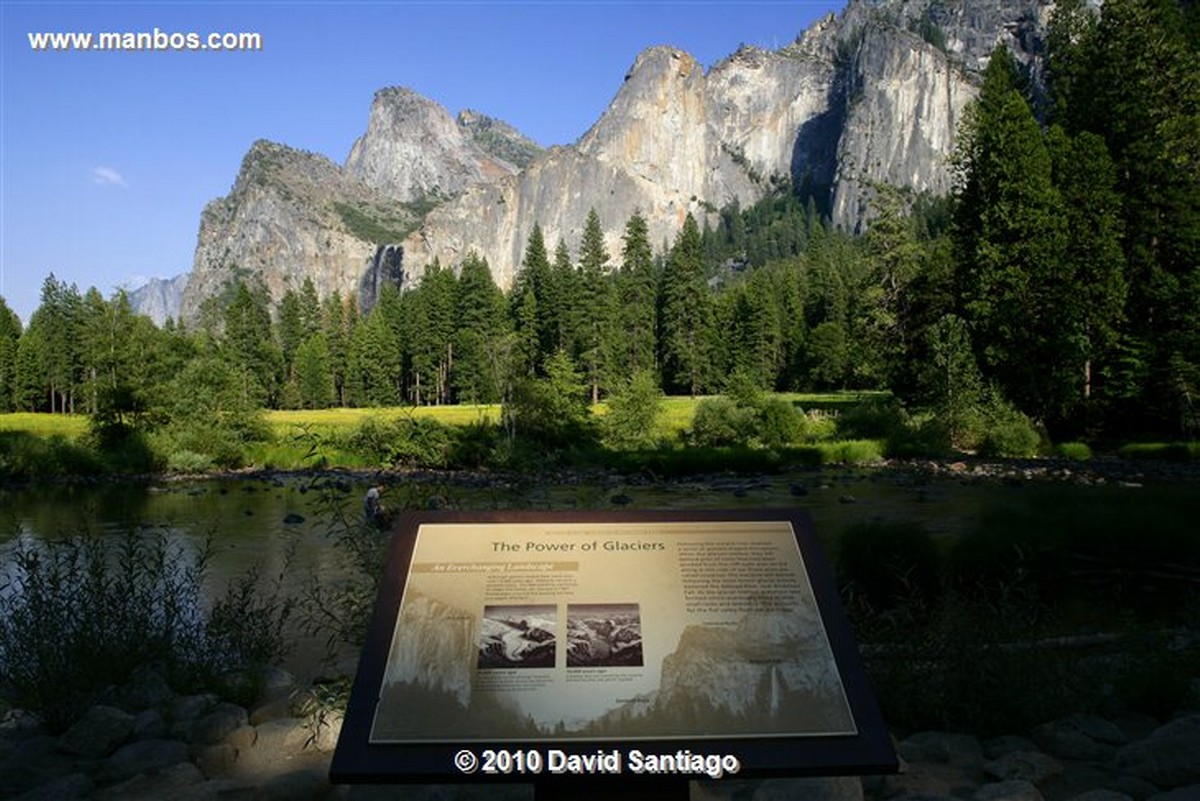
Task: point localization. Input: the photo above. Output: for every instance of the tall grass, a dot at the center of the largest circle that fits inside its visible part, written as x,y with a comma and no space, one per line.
79,615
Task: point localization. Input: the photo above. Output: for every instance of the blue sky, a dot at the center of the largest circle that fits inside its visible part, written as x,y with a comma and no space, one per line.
108,158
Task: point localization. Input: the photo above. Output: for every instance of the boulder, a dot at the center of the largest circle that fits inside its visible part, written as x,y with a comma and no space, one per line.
62,788
940,746
1014,790
1168,758
98,733
214,726
144,756
1085,737
1031,766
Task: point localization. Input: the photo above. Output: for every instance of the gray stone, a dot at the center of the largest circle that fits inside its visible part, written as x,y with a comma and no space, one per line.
1190,793
1086,737
242,738
928,780
217,724
98,733
844,788
1007,744
149,725
282,736
215,760
144,756
183,711
294,784
1014,790
62,788
271,710
940,746
146,689
1031,766
1101,795
1167,758
1138,789
170,782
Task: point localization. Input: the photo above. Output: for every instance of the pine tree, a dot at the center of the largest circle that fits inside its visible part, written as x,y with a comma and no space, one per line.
687,314
637,310
597,302
1011,238
481,324
530,305
249,347
10,337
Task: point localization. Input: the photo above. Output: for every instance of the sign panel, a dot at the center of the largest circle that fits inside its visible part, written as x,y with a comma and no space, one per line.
620,635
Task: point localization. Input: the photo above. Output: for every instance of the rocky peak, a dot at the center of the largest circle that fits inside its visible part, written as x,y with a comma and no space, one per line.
414,150
499,139
291,215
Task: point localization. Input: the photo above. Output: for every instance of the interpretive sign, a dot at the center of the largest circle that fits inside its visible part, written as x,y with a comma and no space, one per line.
528,646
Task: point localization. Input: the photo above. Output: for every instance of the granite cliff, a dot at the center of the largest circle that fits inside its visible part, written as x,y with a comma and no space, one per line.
873,95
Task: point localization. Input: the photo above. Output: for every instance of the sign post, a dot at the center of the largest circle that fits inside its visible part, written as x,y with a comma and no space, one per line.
629,649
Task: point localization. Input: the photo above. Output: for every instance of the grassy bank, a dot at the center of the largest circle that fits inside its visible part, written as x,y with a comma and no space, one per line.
817,429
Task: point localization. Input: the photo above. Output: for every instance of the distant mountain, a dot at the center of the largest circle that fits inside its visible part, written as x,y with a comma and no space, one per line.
873,95
159,298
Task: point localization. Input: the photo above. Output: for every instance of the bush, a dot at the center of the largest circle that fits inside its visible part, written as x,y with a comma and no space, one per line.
780,423
719,422
79,615
633,411
885,565
929,436
876,419
1167,451
552,411
1008,433
1078,451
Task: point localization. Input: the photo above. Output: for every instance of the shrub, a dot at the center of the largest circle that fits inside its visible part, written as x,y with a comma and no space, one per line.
876,419
719,422
928,436
552,411
633,411
1079,451
79,615
780,423
885,565
1008,433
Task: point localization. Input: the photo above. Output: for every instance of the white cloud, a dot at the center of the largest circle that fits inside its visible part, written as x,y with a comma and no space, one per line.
107,176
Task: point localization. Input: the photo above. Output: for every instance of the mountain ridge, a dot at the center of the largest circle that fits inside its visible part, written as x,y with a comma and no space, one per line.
871,95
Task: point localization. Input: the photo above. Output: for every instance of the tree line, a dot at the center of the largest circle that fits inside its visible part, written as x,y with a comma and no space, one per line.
1059,281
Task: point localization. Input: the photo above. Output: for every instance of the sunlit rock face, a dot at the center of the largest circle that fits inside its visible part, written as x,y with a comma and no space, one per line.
875,95
872,96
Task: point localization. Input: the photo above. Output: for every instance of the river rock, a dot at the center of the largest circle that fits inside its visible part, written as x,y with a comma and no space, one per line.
1085,737
940,746
62,788
171,782
216,725
145,689
294,784
144,756
842,788
1031,766
185,709
1101,795
1007,744
1014,790
149,725
215,760
1170,757
98,733
1190,793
